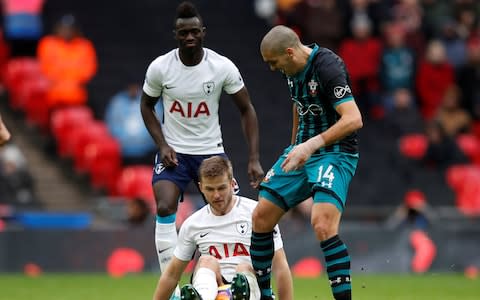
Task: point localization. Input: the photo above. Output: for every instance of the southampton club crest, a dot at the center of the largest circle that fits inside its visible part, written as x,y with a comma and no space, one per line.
312,86
242,228
208,87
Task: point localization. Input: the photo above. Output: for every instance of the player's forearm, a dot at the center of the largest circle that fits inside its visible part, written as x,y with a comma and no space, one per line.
4,133
345,126
151,121
294,124
250,129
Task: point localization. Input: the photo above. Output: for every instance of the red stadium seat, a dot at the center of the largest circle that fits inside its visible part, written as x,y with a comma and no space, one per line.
89,131
456,175
63,120
413,145
470,145
102,160
19,69
31,90
136,181
464,179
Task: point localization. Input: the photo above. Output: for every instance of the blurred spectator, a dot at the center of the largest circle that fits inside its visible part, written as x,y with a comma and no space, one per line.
374,11
466,15
469,79
319,21
69,61
397,64
138,211
442,150
125,123
453,118
455,47
414,212
22,25
16,182
435,14
409,15
404,118
266,9
361,54
435,74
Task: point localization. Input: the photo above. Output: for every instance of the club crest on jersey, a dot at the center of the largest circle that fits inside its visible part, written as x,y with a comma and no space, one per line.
208,87
269,174
242,228
312,85
290,82
159,168
340,91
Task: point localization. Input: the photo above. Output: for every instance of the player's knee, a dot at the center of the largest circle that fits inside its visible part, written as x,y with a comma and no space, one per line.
324,228
244,268
165,209
260,222
207,261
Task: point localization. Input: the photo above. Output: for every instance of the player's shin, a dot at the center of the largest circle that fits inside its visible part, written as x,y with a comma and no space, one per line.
165,242
337,261
205,282
261,253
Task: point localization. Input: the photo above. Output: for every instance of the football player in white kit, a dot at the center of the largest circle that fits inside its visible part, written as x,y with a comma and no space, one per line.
221,233
189,81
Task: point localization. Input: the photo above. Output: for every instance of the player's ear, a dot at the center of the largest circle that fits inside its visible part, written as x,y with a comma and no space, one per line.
204,30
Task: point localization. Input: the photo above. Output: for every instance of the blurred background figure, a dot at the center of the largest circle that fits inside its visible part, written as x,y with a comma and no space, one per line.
319,21
361,54
453,118
435,74
69,62
469,78
22,25
397,63
16,182
404,118
125,123
138,212
413,213
442,151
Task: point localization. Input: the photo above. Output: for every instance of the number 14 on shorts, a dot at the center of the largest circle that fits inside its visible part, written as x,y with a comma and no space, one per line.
325,178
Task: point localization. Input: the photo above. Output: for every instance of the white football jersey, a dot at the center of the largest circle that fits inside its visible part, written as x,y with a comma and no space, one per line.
191,96
225,237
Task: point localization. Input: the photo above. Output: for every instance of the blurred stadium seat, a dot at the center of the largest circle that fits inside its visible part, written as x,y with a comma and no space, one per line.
102,161
81,135
470,145
413,145
63,120
136,181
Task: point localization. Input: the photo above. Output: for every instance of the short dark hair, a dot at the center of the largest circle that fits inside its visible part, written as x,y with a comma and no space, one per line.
187,10
215,166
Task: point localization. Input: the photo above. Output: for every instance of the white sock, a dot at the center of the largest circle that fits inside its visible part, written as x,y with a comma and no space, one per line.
205,282
165,241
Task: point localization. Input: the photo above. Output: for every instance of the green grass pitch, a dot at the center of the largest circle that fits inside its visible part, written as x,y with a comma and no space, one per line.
82,286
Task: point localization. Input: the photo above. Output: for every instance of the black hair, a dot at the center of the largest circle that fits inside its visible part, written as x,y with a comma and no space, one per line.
187,10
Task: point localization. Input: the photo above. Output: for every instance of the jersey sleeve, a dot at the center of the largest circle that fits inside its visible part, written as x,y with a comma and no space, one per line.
185,245
332,72
277,238
152,85
233,81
